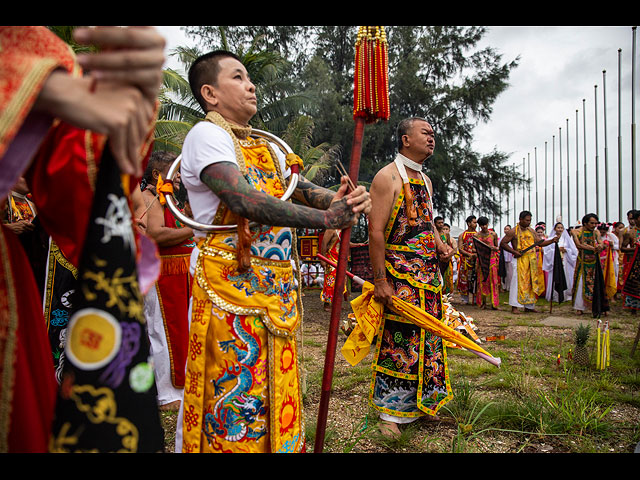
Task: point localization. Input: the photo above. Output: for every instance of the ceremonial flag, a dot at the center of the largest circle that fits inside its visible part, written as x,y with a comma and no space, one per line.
107,398
631,285
610,284
600,303
502,265
484,256
557,278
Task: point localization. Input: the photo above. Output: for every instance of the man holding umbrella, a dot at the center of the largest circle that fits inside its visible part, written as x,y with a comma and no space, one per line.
404,248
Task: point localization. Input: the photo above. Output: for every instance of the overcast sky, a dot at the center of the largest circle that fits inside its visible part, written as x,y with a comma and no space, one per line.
559,67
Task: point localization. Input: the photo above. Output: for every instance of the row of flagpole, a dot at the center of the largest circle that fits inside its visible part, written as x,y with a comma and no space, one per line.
563,187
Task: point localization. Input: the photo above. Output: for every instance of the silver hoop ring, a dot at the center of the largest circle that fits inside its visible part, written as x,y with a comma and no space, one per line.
190,222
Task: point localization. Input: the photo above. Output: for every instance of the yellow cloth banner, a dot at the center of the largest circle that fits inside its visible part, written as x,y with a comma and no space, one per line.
368,312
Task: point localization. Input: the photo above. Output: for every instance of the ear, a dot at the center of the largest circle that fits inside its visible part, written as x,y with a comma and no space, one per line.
209,94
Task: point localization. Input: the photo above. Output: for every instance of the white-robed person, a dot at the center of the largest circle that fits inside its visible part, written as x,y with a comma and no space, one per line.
569,254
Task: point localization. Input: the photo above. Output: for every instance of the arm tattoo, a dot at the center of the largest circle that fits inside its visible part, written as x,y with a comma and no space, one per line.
312,195
226,181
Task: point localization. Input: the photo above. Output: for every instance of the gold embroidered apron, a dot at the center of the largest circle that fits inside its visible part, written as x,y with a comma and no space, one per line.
242,391
530,276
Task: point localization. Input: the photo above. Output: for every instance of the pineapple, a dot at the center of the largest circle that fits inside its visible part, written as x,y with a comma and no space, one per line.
581,355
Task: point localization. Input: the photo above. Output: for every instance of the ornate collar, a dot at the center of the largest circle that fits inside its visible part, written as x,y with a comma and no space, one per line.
410,163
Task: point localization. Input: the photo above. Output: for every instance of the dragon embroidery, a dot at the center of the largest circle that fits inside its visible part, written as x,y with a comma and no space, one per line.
236,411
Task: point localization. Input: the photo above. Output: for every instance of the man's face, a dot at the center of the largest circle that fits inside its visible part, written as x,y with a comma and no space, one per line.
234,96
631,220
591,224
525,222
506,229
473,224
421,139
439,224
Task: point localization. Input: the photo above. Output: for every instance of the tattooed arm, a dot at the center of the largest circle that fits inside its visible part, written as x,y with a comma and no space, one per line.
312,195
226,181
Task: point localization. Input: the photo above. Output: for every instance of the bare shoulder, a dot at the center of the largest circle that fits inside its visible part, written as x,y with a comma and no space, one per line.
387,180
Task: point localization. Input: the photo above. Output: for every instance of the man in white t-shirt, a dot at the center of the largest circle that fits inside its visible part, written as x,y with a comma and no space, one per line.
242,392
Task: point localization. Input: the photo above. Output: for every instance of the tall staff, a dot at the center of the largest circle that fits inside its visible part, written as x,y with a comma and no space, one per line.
371,103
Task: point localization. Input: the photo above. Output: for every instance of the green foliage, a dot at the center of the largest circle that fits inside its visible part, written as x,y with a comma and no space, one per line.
435,72
582,334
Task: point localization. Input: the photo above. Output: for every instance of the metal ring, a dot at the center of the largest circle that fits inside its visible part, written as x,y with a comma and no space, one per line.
190,222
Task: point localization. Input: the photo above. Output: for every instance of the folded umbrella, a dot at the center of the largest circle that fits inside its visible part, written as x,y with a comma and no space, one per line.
368,311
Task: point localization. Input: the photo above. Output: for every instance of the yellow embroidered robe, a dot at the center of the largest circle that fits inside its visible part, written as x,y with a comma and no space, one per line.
530,275
242,391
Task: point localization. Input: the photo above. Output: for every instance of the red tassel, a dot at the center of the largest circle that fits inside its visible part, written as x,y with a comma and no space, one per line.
371,75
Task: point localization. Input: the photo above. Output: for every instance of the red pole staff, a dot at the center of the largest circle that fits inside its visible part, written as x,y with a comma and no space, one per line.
371,103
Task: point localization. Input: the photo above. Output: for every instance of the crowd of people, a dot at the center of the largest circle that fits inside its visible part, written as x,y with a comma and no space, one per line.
97,336
522,262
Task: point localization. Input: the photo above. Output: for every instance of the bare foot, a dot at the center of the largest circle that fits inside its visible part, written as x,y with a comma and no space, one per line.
173,406
389,429
530,310
515,310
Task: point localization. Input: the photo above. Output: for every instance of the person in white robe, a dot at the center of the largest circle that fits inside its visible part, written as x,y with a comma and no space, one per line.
569,254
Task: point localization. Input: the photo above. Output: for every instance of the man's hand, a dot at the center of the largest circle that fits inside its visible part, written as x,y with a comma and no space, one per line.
20,226
344,209
383,292
128,55
115,110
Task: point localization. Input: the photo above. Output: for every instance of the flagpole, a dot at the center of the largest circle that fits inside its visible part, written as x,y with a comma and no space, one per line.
595,109
568,183
584,140
524,187
577,176
546,202
560,163
619,134
535,161
633,120
529,178
606,154
553,173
